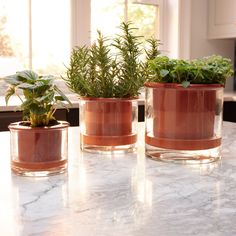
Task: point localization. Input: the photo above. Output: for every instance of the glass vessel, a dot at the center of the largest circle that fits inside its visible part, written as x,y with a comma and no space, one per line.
108,125
183,124
39,151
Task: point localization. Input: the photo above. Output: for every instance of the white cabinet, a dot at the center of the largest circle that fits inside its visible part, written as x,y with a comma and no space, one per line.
222,19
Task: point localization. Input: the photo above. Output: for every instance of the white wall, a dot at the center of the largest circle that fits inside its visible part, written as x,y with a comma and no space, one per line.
200,45
80,22
193,28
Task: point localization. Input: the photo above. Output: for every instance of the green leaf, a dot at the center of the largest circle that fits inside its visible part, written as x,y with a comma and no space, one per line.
109,68
26,104
46,98
9,93
34,108
46,80
28,75
25,114
62,94
59,98
39,101
163,73
12,79
26,86
185,84
152,65
207,70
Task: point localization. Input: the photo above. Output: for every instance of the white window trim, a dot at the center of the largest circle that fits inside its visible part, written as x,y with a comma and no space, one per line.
161,19
184,33
168,28
175,34
80,22
30,36
147,2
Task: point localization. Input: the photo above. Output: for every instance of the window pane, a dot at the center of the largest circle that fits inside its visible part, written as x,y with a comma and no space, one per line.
50,35
14,53
106,15
144,18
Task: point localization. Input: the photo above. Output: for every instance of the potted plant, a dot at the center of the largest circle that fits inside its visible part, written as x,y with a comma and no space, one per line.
39,142
107,77
184,102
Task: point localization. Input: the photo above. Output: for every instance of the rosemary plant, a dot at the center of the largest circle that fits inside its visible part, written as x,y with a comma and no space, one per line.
110,68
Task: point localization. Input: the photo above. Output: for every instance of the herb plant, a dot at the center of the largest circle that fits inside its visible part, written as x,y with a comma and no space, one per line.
209,70
110,68
41,95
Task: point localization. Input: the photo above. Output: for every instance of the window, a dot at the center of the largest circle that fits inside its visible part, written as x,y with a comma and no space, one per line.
39,34
13,36
107,15
34,35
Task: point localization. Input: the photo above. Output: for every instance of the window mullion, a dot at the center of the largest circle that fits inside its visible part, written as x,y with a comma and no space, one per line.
126,9
147,2
30,35
80,22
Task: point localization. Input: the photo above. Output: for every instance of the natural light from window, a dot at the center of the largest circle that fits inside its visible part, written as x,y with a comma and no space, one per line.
40,39
36,34
107,15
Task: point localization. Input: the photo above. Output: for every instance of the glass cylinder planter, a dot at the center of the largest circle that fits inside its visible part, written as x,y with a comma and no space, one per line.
108,125
183,124
39,151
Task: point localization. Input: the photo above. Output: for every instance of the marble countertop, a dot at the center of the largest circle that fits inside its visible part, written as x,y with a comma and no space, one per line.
121,195
230,96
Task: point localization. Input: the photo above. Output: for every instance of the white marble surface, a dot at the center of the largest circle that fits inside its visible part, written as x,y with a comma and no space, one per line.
121,195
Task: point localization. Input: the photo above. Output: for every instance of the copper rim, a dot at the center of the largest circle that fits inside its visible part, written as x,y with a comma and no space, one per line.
39,166
108,99
108,140
181,144
179,86
18,126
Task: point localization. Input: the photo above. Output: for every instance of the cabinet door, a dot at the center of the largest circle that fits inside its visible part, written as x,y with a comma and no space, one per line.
222,19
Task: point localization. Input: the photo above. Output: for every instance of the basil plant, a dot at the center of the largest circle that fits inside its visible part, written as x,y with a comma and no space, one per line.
41,97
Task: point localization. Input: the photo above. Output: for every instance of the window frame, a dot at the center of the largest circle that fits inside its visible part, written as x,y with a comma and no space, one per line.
81,20
80,23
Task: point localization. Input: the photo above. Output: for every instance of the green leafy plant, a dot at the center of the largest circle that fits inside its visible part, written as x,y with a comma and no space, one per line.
110,68
208,70
41,97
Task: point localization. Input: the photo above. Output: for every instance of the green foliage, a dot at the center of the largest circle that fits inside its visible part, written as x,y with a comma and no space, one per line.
152,52
208,70
109,68
143,17
41,95
5,47
130,70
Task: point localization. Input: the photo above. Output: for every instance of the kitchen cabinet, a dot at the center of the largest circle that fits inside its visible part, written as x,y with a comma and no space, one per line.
222,19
